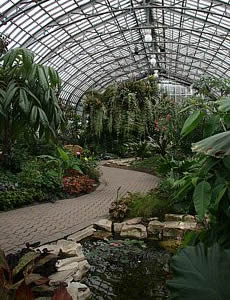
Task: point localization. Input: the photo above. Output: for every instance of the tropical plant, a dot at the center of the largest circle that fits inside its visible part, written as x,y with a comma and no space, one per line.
22,281
200,273
121,112
28,99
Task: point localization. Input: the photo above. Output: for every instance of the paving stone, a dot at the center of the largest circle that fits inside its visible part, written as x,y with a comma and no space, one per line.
48,222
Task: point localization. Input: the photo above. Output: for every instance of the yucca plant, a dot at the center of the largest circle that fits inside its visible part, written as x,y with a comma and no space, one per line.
28,99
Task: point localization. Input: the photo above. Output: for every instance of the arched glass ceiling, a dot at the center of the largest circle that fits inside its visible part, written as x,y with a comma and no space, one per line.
92,42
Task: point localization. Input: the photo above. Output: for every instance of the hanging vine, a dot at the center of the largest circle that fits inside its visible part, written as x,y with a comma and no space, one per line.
121,112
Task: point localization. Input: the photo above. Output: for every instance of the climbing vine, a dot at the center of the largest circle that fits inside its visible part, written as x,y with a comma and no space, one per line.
121,112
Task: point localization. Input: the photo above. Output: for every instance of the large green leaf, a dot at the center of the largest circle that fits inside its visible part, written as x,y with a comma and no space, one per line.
24,261
217,145
202,198
34,114
224,104
200,274
24,102
192,122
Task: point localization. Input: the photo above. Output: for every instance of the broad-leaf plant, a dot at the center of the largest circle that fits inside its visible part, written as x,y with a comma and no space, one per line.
28,99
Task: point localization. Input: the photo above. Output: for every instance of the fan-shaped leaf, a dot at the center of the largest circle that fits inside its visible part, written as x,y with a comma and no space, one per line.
200,274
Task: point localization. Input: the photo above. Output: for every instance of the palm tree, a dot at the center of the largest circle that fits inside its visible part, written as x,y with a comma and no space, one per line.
28,99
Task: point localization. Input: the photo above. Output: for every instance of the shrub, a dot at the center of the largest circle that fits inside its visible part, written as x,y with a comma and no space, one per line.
89,166
75,185
147,205
41,175
153,204
17,198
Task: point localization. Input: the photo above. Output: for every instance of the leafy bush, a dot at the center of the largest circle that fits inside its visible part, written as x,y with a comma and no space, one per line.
42,175
75,185
89,166
148,205
153,204
19,197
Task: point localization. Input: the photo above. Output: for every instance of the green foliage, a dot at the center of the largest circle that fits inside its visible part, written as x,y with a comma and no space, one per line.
42,174
192,122
148,205
68,160
200,273
202,198
28,99
153,204
19,197
122,112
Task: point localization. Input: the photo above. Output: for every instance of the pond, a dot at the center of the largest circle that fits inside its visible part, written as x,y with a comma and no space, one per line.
127,270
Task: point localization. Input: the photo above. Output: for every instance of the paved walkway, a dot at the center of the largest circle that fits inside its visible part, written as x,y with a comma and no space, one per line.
52,221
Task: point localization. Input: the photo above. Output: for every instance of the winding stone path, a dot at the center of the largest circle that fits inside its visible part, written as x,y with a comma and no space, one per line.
52,221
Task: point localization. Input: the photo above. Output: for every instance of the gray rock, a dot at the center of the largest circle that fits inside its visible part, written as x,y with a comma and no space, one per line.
78,291
137,231
118,227
82,234
105,224
153,219
69,263
155,229
189,218
180,225
64,276
70,247
133,221
173,234
82,269
173,217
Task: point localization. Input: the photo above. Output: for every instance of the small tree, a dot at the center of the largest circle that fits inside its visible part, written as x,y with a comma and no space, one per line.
28,99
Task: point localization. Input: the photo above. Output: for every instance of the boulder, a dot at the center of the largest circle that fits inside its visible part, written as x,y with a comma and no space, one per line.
137,231
82,269
70,247
117,227
105,224
155,229
133,221
173,217
173,234
102,235
78,291
189,218
69,263
82,234
64,276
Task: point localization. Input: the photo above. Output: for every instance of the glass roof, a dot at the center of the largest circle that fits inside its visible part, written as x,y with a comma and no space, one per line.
91,43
